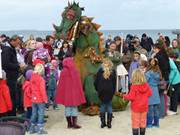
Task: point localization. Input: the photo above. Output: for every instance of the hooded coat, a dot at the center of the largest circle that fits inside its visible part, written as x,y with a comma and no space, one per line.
138,96
69,90
5,99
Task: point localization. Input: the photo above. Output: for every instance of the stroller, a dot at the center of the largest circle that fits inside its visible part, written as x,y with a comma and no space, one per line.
12,125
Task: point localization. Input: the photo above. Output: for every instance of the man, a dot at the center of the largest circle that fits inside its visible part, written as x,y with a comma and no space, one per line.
11,66
49,45
147,43
108,41
138,47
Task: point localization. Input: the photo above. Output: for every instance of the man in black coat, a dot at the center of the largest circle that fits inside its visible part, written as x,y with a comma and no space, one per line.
11,66
147,43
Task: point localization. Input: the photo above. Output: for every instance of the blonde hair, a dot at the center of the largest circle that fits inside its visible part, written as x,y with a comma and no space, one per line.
39,69
107,66
138,77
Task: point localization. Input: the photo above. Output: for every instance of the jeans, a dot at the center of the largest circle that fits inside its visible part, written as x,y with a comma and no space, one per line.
124,84
38,113
29,113
162,112
174,99
12,84
153,115
51,95
106,107
71,111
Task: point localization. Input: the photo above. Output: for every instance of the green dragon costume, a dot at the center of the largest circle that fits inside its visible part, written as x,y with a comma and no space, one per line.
85,37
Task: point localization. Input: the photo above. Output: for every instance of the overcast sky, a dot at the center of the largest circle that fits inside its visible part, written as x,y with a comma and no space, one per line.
111,14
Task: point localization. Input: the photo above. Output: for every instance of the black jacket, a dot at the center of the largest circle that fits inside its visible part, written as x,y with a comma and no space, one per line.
9,62
163,62
105,87
147,44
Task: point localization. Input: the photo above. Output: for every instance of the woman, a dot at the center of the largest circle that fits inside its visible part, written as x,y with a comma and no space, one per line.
65,51
163,62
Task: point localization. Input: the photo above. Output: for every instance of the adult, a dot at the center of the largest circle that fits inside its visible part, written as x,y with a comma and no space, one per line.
65,51
11,66
176,49
49,44
163,60
138,47
175,82
113,54
118,42
146,43
108,41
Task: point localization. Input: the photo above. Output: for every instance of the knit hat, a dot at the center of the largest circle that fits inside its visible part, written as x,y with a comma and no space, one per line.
54,63
29,74
38,61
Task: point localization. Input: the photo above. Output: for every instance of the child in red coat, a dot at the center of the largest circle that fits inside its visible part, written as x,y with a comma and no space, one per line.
39,99
139,93
5,98
27,94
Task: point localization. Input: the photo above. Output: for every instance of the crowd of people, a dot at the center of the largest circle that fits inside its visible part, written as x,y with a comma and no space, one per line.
36,75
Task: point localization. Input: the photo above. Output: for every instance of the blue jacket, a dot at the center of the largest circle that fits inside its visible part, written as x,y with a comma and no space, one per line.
174,76
153,79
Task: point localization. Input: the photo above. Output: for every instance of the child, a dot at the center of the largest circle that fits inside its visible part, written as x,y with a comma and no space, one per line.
105,85
134,64
143,65
5,98
39,98
27,94
70,92
52,83
139,93
153,76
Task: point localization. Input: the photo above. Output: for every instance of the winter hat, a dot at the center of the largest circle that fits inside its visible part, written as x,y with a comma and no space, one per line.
29,74
38,61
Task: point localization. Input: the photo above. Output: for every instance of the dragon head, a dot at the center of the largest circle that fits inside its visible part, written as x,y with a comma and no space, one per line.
70,19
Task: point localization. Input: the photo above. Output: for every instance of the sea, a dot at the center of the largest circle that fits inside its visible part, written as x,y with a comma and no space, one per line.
151,33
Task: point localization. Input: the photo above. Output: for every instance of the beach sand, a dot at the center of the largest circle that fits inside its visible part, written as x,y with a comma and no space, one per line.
121,125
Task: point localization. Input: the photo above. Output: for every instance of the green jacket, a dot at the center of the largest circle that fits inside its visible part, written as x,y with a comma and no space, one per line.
174,76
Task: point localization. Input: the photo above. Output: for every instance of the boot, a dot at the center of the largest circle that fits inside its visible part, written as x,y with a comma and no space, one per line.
41,129
109,120
142,131
135,131
103,120
69,121
32,129
156,122
74,118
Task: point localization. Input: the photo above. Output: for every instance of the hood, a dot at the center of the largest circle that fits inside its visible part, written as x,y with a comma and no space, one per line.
68,63
2,82
26,84
143,88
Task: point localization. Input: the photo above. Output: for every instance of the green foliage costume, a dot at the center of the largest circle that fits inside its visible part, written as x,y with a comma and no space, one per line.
84,35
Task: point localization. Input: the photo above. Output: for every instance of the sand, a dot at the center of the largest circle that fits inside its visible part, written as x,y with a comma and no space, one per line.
121,125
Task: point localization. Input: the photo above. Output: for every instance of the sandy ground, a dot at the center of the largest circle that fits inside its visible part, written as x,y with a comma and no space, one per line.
121,125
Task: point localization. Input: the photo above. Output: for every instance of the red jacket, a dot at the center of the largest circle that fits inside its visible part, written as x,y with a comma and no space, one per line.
5,98
38,89
139,97
49,48
27,94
